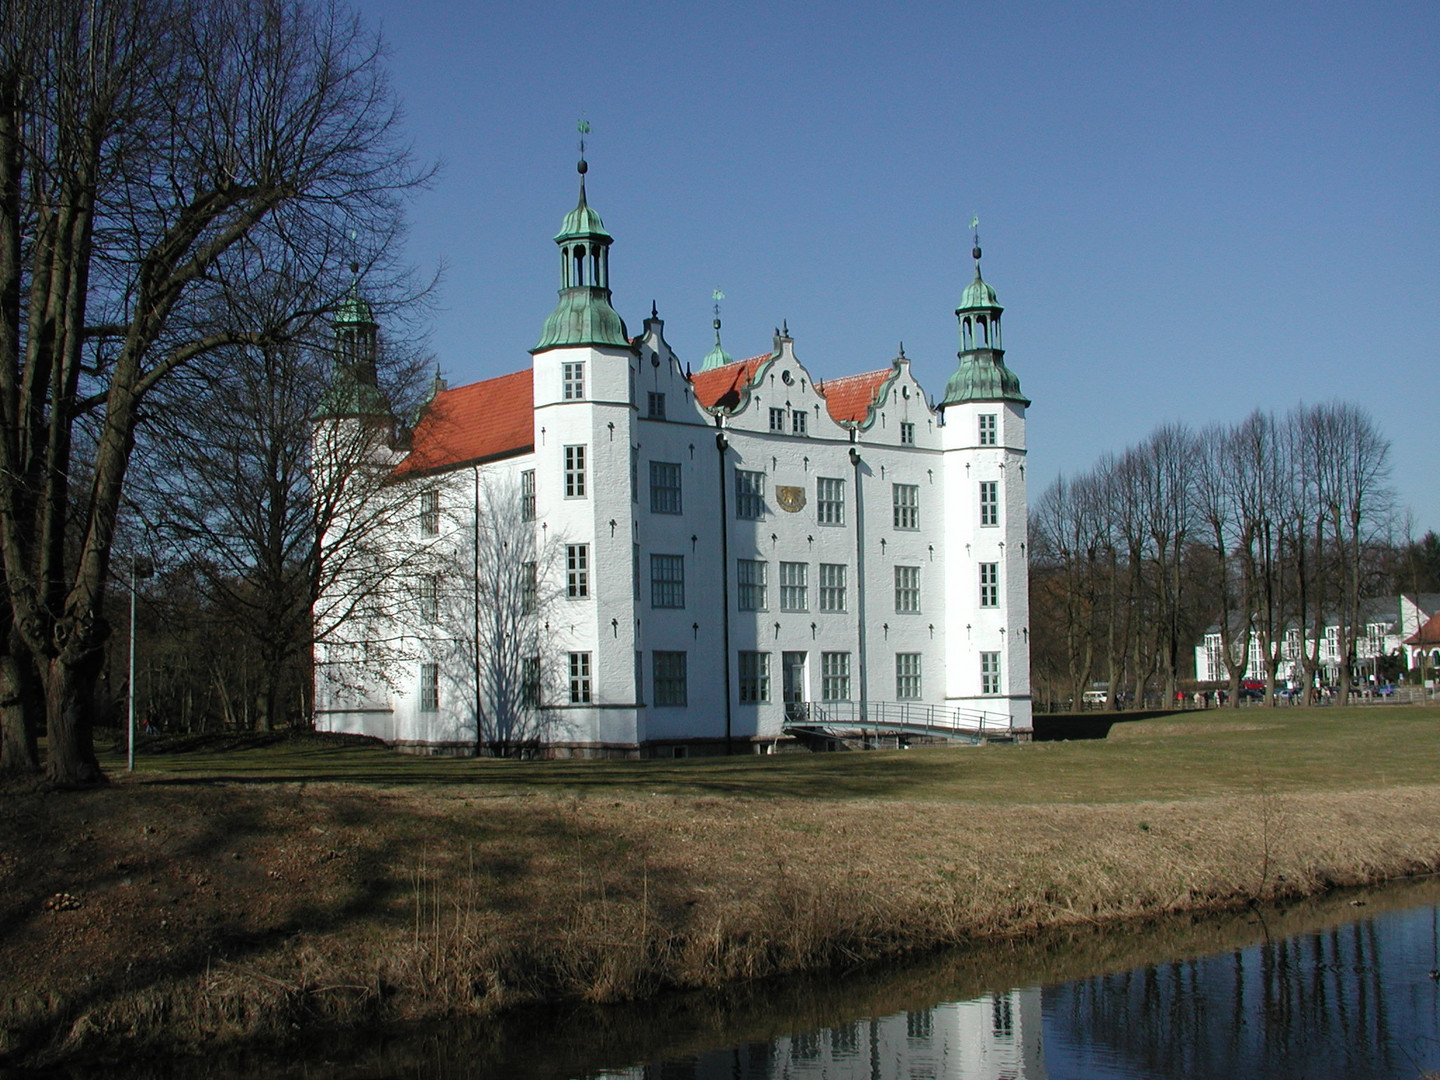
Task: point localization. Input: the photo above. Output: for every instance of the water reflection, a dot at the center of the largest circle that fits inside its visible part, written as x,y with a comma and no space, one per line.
995,1037
1357,999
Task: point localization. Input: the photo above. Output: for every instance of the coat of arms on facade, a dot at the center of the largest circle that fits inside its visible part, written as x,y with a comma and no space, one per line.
791,499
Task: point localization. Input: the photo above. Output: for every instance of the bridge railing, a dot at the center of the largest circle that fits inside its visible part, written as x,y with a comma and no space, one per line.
898,715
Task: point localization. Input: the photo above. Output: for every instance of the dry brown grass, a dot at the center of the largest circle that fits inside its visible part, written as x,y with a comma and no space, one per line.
217,913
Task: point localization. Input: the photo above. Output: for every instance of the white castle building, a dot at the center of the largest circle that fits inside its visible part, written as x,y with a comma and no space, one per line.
603,553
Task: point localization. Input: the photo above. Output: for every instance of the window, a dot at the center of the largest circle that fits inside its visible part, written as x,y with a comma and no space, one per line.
634,474
907,506
907,676
579,678
667,581
777,420
530,682
657,405
832,586
664,487
990,673
529,588
574,472
751,577
573,375
835,676
527,495
987,429
749,495
830,501
669,675
989,584
793,591
430,512
989,502
635,571
754,676
907,433
427,590
907,589
797,422
429,687
577,571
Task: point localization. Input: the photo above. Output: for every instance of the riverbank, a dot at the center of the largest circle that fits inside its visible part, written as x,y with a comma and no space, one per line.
246,894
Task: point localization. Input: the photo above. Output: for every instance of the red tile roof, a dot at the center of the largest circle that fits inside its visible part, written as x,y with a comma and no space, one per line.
1429,634
723,387
479,422
850,398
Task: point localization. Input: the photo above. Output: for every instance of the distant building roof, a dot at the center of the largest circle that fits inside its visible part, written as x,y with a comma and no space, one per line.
1427,635
480,422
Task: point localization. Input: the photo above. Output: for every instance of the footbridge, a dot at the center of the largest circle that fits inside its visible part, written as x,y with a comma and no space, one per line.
868,721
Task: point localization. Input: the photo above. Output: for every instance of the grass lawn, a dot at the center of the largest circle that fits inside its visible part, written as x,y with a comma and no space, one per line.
1190,754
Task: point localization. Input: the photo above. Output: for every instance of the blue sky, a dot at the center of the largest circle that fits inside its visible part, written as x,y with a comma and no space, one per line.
1187,210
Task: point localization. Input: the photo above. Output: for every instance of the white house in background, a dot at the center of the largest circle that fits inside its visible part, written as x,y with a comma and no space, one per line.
692,557
1387,622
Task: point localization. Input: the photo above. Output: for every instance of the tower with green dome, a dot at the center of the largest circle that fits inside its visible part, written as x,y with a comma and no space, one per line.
354,392
987,638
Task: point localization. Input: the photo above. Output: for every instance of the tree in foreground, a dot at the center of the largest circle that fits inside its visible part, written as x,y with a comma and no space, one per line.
158,160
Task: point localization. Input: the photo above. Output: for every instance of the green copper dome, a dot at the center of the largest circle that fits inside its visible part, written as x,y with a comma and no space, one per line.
978,294
983,377
354,309
583,317
582,223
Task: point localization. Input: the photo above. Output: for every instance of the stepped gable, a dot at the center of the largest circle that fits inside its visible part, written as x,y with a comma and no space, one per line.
727,387
850,398
479,422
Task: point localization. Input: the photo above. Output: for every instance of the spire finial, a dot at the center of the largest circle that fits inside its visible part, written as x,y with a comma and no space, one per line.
975,251
654,312
902,350
582,167
717,296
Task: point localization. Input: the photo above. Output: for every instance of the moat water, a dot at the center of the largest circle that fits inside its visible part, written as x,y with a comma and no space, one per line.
1346,986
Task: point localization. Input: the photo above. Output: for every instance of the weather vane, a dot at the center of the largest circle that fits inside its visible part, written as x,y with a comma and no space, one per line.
975,228
584,128
717,296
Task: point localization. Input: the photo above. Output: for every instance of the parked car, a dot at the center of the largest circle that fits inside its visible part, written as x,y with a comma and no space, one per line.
1095,697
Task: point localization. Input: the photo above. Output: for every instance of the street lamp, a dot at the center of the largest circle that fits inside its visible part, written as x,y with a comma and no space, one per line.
139,568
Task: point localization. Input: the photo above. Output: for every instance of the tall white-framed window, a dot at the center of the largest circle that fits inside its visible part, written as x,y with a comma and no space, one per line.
668,670
777,421
989,502
665,487
427,589
530,682
667,581
798,422
907,506
829,501
529,587
832,587
429,688
749,495
835,676
577,571
907,433
988,429
656,402
750,577
794,588
430,512
907,676
575,472
754,676
573,377
527,495
989,584
907,589
990,673
580,686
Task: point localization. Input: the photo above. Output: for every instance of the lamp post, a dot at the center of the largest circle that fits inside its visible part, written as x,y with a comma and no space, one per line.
139,568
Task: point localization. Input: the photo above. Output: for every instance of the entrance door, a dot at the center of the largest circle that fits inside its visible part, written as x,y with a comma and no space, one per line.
792,666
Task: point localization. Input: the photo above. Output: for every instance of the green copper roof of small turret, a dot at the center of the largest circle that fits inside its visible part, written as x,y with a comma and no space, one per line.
347,398
354,309
983,376
978,294
583,317
582,223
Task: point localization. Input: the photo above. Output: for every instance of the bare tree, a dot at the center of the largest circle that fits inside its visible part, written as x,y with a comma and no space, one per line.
157,157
